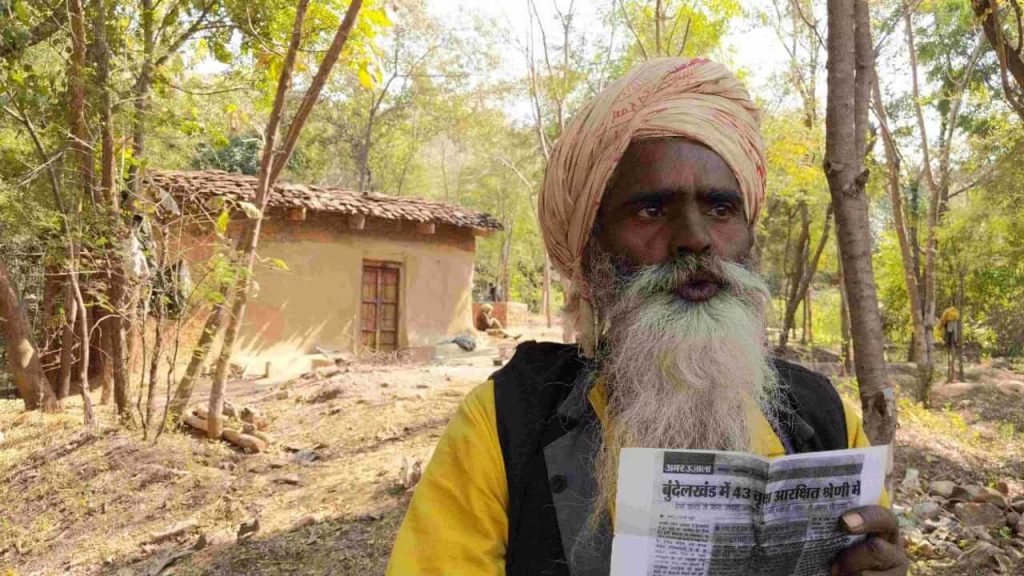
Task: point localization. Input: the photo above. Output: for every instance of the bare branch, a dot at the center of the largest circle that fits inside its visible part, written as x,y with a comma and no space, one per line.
632,30
1010,62
185,36
926,167
315,87
811,24
686,38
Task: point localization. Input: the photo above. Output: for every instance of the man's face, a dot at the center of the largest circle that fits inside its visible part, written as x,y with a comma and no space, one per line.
671,197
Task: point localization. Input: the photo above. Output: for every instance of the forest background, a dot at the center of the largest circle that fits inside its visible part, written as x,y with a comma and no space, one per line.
462,102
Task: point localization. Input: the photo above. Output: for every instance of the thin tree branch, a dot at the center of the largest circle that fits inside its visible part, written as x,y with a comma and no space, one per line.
632,30
13,45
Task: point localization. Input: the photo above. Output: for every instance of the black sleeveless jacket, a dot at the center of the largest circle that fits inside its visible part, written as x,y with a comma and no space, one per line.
549,436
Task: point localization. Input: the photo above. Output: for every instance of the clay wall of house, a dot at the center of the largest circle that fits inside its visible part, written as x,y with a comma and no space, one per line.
317,301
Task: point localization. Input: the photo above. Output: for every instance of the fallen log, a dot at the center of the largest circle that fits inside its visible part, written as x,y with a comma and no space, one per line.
253,431
174,531
245,441
195,422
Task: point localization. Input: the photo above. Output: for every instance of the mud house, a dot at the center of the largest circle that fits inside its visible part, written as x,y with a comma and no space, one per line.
340,270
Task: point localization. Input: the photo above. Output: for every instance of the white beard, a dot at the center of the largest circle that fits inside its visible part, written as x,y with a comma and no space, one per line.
679,374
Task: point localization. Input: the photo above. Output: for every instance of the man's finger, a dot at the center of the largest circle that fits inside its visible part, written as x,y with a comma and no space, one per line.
871,554
871,520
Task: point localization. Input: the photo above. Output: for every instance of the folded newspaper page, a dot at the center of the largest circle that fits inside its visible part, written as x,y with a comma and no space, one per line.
696,512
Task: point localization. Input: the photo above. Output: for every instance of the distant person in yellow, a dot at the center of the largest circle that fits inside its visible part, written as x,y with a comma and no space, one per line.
949,325
648,208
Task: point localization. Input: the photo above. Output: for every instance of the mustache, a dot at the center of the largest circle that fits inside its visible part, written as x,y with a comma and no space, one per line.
669,276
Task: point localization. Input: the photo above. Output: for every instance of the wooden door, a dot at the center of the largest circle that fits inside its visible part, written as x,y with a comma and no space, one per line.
380,306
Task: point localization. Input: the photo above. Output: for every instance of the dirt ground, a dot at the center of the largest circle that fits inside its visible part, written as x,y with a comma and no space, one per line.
329,495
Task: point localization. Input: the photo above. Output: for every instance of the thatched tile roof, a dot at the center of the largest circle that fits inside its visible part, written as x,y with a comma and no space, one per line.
186,187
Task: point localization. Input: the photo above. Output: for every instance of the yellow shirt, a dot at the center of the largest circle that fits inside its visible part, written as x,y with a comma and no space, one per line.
950,314
457,521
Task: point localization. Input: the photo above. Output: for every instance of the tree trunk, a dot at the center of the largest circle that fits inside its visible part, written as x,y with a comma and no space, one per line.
806,267
1011,60
183,393
850,65
102,56
79,303
271,165
796,277
154,367
925,345
67,342
118,344
846,348
106,363
919,338
113,325
79,144
22,354
809,319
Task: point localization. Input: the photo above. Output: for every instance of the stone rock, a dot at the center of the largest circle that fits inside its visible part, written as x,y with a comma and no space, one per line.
247,529
2,437
1011,389
309,519
942,488
974,490
979,555
927,510
1003,488
980,514
979,533
1004,563
911,481
943,524
1012,519
961,494
305,456
214,538
949,549
411,472
992,496
1018,505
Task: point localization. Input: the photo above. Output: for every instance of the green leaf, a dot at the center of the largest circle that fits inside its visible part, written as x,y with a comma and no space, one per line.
21,11
250,209
215,203
279,264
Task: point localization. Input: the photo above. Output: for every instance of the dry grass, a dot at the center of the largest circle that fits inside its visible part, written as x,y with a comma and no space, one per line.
79,504
88,504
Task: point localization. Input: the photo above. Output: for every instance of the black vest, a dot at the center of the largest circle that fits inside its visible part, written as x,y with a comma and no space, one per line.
540,400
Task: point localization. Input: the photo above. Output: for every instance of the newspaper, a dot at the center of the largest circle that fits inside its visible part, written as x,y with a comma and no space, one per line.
695,512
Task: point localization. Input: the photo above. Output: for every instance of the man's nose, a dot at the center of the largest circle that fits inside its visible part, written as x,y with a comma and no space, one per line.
690,234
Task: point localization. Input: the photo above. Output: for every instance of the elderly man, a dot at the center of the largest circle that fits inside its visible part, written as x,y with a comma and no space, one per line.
648,207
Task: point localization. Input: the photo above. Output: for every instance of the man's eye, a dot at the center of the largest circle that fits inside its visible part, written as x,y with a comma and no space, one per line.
651,212
722,210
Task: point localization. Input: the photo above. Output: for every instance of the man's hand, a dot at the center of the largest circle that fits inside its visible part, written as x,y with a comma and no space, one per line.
881,554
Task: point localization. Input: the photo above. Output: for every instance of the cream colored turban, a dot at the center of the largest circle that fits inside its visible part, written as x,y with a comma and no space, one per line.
666,97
